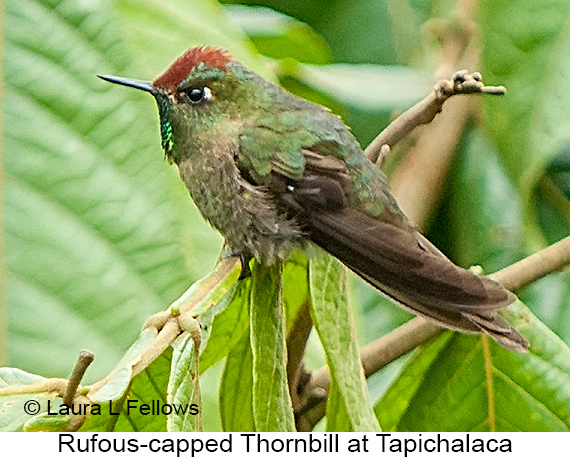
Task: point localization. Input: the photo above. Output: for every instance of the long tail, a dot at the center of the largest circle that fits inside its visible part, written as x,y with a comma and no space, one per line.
400,262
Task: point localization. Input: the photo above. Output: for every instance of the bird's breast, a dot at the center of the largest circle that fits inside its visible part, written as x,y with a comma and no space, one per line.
245,214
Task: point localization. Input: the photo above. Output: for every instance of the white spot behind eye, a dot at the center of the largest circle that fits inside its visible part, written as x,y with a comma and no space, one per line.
207,94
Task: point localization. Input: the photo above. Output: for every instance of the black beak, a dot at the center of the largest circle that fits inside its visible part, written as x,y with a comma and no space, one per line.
141,85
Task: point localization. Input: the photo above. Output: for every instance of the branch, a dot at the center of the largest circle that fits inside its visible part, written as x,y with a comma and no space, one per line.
168,325
84,360
425,111
534,267
50,385
418,181
167,322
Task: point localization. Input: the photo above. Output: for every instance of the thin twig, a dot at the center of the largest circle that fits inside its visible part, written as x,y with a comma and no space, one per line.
165,337
83,361
534,267
418,181
425,111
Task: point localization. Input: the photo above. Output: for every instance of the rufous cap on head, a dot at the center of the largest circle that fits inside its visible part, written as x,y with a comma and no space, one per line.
181,67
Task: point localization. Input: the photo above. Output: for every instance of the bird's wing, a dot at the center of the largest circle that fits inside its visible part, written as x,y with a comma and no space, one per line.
385,250
264,151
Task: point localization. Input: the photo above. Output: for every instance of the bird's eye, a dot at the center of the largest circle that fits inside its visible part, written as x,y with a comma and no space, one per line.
197,95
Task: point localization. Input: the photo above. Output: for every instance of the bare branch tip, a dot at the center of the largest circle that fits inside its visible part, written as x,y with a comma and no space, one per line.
463,82
494,90
83,361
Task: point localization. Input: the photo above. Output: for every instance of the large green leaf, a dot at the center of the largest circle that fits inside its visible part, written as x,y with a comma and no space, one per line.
93,215
526,47
228,327
272,407
397,399
236,389
469,383
490,232
333,321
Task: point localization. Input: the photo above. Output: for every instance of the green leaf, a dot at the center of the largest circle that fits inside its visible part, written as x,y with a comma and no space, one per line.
278,35
490,233
15,402
552,203
118,380
148,388
236,389
549,298
139,409
228,327
337,416
295,286
397,399
463,383
272,407
120,400
527,49
333,321
222,288
184,387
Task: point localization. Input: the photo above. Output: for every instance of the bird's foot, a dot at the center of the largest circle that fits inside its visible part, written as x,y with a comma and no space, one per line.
245,259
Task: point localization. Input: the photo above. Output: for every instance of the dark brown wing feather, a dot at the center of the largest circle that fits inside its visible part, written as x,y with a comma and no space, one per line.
400,262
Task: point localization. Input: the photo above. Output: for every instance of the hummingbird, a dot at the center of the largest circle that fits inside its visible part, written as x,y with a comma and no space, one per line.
272,171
